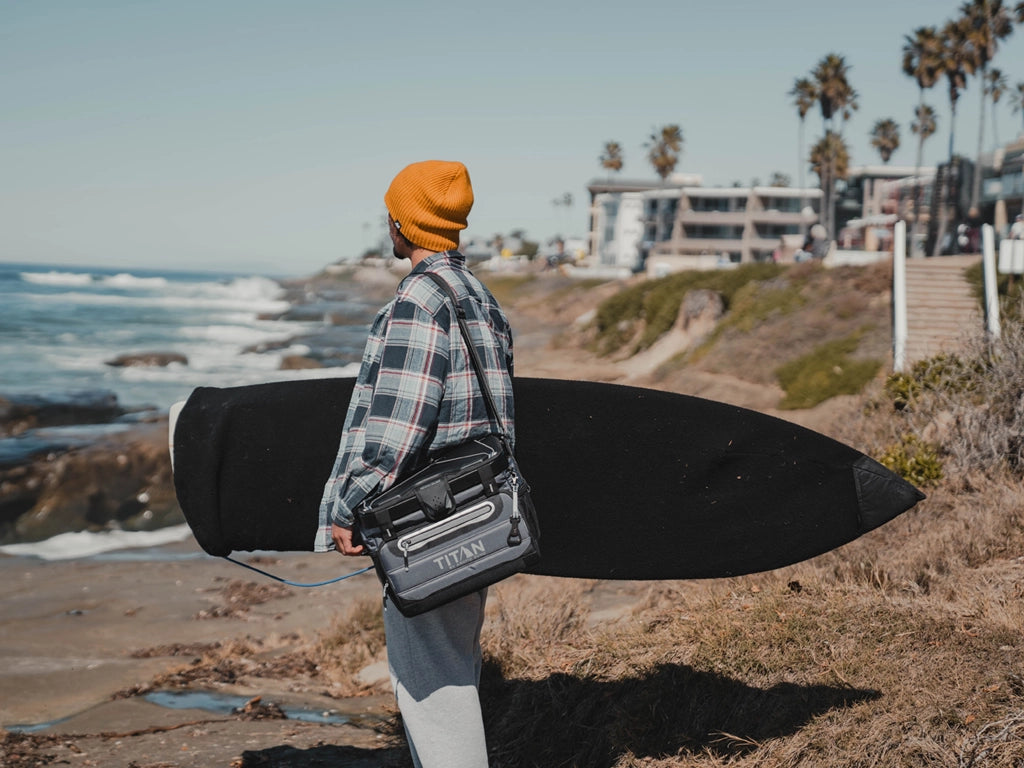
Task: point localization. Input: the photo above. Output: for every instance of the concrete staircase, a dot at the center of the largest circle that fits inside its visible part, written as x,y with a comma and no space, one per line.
942,311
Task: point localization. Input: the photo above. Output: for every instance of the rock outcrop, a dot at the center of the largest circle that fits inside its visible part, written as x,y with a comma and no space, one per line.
298,362
161,359
124,479
698,315
20,413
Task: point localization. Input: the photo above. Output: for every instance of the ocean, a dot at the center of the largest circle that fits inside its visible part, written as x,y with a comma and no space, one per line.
60,327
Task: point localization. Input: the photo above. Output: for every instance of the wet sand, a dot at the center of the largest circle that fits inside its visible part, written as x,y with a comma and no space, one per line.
69,627
76,633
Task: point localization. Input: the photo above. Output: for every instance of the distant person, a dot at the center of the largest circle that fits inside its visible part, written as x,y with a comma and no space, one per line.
973,231
1017,228
819,242
962,240
805,251
415,395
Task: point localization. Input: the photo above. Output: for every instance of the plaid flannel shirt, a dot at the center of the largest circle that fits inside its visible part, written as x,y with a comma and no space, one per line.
416,392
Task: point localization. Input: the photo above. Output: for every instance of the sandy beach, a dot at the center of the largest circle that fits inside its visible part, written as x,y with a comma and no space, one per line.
78,635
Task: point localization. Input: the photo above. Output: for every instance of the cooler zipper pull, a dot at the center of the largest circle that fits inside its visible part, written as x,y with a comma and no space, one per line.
514,537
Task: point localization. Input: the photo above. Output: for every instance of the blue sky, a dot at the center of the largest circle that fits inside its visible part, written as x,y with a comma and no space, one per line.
259,136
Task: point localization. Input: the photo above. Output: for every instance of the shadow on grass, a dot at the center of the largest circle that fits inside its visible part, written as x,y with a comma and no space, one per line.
566,720
321,756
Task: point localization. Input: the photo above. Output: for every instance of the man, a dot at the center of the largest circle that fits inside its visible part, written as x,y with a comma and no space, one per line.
417,394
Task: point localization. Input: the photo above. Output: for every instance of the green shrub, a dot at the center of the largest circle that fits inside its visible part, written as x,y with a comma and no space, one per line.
913,459
943,374
902,389
656,303
1009,288
827,371
616,319
755,302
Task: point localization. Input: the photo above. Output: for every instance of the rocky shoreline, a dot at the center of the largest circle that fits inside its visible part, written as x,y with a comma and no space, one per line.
79,461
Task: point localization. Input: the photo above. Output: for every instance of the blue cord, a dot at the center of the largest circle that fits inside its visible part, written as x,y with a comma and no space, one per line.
297,583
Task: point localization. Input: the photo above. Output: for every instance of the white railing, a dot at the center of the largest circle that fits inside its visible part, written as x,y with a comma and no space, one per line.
1011,257
899,297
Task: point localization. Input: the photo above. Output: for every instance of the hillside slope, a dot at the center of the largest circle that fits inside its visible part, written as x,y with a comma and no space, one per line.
731,353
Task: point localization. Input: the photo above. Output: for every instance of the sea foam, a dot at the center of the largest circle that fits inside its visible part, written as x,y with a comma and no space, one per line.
57,278
76,544
129,281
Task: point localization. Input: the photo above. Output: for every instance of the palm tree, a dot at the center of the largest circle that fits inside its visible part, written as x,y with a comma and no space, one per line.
925,122
830,158
805,96
836,97
835,94
885,137
663,149
922,60
924,125
611,160
984,24
995,87
954,58
1018,99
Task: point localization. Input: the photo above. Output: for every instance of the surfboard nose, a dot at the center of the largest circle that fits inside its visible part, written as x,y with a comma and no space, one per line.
882,494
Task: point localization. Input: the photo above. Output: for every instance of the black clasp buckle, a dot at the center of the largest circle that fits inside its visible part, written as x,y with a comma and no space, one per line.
436,500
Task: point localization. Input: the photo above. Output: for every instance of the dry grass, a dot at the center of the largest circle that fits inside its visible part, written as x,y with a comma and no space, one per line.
807,666
329,665
903,648
354,641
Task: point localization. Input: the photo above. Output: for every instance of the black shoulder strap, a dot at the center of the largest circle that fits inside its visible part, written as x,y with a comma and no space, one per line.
474,355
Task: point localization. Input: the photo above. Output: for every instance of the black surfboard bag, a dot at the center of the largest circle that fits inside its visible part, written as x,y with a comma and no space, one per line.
461,523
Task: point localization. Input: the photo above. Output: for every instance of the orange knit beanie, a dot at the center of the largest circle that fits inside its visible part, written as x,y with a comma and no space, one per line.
430,203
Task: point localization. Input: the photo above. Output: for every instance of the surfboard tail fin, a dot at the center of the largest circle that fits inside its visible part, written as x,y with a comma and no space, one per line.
881,494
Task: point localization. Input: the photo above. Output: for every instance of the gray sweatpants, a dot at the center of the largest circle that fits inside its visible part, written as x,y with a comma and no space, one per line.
435,660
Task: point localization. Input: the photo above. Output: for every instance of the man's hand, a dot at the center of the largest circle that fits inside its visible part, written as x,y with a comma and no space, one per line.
343,541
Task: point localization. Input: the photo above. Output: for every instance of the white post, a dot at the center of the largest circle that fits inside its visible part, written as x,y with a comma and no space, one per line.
899,297
988,256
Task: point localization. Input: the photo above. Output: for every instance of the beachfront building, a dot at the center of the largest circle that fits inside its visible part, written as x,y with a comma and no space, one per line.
616,229
868,191
874,197
681,224
1002,185
618,213
662,229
